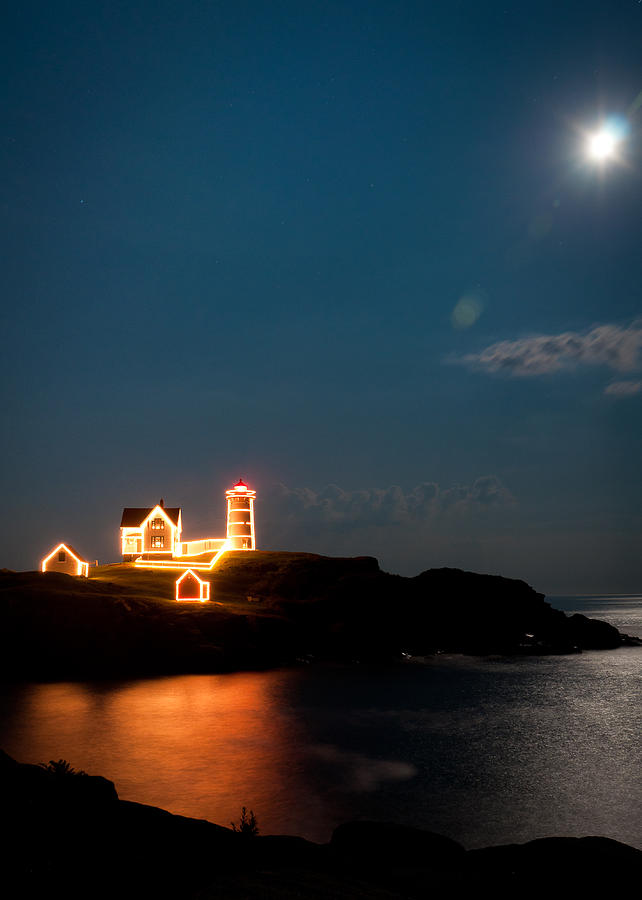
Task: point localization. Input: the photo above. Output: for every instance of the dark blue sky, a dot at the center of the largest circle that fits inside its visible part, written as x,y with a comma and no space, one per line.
235,240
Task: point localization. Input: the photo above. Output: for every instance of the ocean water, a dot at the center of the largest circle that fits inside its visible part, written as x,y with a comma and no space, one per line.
486,750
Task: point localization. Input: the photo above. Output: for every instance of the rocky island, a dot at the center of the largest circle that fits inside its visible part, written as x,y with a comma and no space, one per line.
270,609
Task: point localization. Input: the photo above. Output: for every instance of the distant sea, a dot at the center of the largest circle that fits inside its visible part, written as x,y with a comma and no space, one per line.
486,750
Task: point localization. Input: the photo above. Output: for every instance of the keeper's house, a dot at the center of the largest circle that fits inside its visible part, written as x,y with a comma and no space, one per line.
153,530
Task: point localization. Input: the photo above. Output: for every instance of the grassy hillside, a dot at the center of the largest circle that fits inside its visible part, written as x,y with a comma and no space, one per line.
261,575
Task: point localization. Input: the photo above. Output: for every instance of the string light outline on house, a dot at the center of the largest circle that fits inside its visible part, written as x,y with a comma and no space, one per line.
175,554
82,566
146,527
203,587
143,533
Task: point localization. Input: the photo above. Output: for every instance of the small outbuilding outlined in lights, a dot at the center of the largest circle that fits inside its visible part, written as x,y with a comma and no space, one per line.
190,587
64,558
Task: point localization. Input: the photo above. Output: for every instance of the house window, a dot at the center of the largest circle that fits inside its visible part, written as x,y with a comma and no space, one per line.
158,541
62,556
158,524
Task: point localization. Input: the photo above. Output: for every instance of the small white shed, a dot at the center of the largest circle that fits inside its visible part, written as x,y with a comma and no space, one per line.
64,558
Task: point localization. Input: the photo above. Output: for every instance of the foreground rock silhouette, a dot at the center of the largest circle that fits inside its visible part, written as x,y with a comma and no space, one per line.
272,609
70,836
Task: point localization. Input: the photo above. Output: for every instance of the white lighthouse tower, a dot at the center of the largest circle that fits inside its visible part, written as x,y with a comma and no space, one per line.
240,517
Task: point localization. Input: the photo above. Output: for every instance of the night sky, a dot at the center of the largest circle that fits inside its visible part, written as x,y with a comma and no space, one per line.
353,252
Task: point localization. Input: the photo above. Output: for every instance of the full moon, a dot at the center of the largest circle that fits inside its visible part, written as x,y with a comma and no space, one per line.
602,145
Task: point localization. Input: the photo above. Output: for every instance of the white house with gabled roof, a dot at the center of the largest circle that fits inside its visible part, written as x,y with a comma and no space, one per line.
154,530
64,558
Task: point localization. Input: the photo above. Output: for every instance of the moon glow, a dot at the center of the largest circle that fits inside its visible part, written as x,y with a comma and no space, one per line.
602,145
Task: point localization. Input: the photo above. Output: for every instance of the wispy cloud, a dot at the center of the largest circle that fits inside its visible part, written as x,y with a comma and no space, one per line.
613,346
623,388
387,506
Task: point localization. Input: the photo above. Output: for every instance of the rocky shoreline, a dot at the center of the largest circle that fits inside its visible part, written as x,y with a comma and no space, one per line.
272,609
70,835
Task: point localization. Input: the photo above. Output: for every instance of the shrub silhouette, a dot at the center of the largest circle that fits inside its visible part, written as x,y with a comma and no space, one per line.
61,768
247,824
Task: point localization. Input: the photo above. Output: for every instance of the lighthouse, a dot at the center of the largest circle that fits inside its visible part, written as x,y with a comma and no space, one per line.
240,516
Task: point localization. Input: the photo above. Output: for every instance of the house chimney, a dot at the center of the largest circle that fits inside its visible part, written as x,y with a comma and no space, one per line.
161,503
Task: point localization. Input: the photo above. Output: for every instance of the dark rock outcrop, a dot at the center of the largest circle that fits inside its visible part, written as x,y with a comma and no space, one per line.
387,845
553,864
272,609
593,634
70,836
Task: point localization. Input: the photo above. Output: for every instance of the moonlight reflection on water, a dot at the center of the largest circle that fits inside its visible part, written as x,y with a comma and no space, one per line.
484,750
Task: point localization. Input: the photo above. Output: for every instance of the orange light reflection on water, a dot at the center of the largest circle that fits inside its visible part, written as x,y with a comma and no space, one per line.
200,746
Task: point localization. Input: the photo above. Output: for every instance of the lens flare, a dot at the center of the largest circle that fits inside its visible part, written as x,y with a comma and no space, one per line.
467,310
